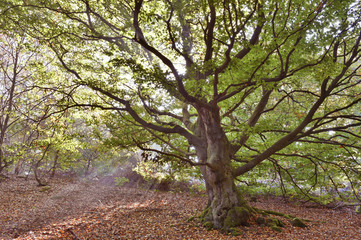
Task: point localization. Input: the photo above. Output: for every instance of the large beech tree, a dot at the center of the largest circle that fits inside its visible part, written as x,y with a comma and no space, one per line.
224,85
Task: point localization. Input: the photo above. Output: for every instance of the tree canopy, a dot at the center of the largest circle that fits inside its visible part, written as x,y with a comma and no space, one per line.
243,89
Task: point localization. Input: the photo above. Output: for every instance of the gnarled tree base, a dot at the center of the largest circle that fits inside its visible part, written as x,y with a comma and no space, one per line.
236,216
241,216
232,216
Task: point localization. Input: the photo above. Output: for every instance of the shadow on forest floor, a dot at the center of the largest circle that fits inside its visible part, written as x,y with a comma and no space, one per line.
80,209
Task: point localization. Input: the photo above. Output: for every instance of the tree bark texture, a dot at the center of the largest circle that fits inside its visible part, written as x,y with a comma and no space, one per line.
226,207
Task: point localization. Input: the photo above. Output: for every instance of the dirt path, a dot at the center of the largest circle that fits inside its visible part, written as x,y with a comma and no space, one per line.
24,206
92,210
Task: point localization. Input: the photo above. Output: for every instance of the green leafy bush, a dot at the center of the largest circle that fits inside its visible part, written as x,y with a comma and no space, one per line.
120,181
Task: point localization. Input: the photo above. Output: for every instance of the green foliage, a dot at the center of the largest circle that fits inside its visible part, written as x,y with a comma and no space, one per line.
120,181
173,171
279,80
358,209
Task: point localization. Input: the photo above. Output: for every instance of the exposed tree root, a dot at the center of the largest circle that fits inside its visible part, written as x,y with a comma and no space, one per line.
295,221
74,235
261,217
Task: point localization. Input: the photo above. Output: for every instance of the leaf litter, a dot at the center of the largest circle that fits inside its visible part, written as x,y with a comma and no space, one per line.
75,209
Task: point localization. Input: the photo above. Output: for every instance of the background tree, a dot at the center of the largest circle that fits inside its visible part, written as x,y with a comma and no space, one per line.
31,129
241,85
16,101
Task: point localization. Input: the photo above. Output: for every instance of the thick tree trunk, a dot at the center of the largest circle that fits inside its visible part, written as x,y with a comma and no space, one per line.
226,208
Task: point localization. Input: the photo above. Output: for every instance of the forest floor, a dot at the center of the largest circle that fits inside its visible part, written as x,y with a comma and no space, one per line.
100,210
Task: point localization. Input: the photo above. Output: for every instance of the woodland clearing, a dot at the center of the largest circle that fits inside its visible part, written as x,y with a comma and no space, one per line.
260,94
79,209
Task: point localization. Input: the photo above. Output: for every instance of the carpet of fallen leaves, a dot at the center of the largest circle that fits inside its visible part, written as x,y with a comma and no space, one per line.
96,210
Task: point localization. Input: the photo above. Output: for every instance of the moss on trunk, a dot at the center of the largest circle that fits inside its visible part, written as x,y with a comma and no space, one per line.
226,212
237,216
241,213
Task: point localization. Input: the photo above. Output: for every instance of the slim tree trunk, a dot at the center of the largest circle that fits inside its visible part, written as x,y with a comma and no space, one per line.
2,164
6,115
36,168
53,170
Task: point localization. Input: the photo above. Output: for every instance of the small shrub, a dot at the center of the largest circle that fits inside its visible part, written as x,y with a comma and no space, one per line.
358,210
120,181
